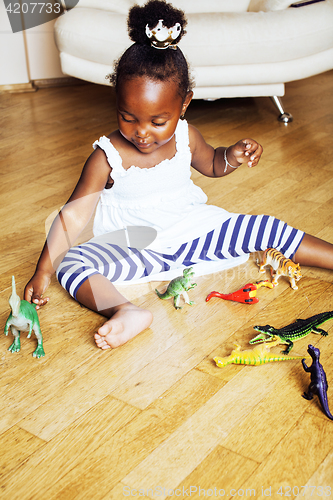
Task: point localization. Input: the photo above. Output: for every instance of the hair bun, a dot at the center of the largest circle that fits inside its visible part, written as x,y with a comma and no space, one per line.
150,15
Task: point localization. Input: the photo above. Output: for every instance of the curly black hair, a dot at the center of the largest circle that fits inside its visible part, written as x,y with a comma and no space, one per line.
141,59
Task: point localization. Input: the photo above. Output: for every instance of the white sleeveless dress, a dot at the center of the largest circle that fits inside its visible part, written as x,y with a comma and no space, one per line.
155,222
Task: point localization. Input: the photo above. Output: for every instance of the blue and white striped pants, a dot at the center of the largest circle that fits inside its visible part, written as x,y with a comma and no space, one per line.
237,236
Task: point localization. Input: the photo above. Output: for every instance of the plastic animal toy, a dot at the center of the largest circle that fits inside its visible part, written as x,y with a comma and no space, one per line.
246,295
318,384
23,318
281,267
179,286
295,331
260,355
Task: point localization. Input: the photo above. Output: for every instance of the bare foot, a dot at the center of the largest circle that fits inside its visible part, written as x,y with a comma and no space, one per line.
125,324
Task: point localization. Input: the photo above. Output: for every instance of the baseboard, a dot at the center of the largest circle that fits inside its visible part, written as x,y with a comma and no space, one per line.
18,87
41,84
57,82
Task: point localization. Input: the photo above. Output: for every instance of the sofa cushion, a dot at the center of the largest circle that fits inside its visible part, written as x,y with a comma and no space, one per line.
189,6
92,34
267,5
258,37
197,6
120,6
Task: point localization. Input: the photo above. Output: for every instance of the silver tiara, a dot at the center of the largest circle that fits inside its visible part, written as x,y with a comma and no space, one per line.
162,37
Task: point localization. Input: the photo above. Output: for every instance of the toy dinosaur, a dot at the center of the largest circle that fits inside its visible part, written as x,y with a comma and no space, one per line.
179,286
246,295
295,331
318,384
260,355
23,318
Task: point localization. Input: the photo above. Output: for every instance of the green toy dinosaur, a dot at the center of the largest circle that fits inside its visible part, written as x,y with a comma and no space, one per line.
179,286
23,318
260,355
290,333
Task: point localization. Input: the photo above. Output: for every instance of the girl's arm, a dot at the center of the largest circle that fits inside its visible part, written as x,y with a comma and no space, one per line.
68,224
211,162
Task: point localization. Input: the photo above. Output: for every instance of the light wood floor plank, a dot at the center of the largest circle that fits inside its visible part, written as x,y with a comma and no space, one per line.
221,474
291,464
321,482
16,446
117,452
62,456
189,445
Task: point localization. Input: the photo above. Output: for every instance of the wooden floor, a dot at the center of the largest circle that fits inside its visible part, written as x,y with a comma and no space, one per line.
156,417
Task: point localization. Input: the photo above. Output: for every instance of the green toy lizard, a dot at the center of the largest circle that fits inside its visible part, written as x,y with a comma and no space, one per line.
290,333
179,286
23,318
260,355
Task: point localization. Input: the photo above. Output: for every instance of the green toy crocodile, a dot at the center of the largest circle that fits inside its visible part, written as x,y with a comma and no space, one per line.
23,318
179,286
260,355
290,333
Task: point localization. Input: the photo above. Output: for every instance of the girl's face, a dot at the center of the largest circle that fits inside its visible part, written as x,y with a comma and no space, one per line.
148,112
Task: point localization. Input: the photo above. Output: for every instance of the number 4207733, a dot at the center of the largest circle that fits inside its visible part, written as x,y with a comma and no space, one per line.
309,491
34,7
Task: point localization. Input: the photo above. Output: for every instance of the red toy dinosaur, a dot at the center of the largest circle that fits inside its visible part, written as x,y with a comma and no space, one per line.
246,295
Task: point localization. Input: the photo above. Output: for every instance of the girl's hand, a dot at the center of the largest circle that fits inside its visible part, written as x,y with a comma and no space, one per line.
34,290
246,151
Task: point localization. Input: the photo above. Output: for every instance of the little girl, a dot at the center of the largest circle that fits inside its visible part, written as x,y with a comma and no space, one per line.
151,221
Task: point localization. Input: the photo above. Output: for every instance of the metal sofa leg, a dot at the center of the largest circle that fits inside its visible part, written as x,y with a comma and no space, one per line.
283,117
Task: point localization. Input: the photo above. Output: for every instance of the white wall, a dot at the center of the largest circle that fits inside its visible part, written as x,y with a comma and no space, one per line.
13,66
30,57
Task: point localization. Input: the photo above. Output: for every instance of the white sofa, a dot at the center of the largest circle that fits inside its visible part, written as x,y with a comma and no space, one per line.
236,48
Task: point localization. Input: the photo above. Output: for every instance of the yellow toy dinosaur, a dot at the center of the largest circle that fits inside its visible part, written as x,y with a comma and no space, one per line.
257,356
